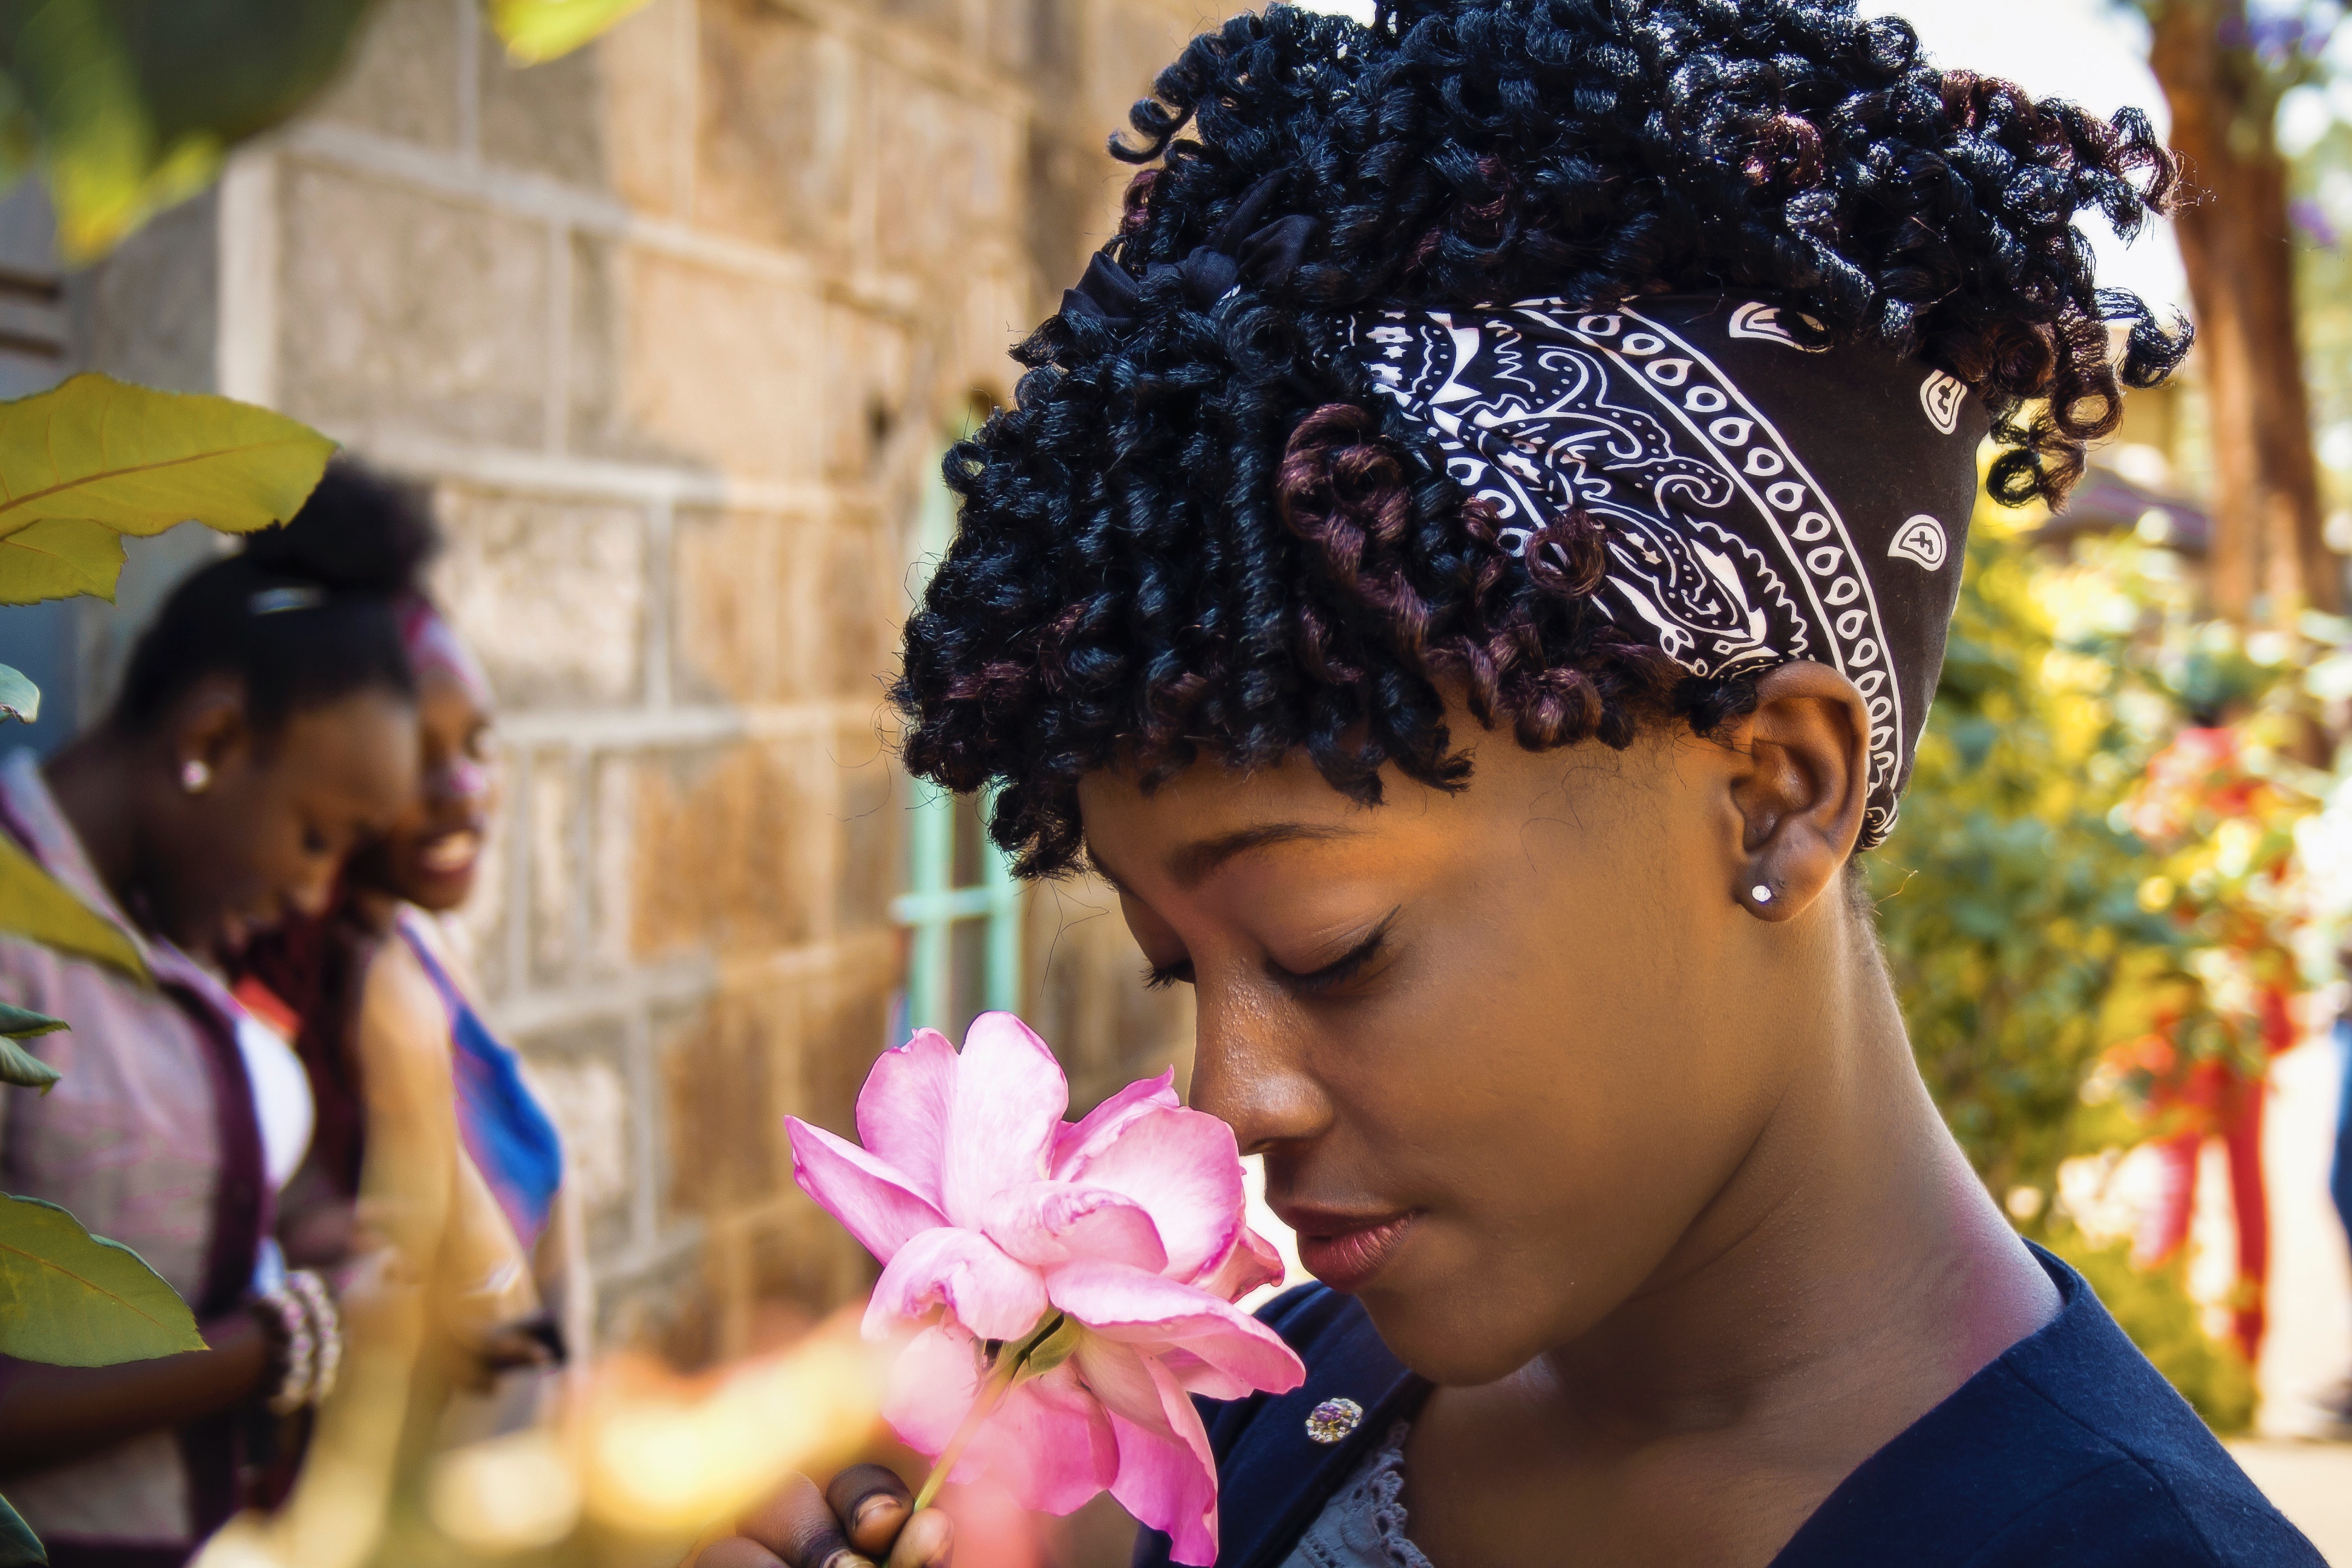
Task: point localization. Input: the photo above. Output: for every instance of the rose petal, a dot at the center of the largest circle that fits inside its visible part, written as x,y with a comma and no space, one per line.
872,1200
981,1289
1079,1139
1009,1098
1197,1376
932,1385
1050,1442
1048,1223
1142,1310
1166,1476
1184,1168
1252,1262
902,1111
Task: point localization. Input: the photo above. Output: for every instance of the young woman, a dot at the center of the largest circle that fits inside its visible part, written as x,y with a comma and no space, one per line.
429,1141
1469,564
266,724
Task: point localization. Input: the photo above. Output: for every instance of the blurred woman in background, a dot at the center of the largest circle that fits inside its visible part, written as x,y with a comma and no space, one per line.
266,726
423,1112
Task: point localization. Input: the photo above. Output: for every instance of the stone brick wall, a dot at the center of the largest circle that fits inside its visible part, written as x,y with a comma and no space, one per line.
675,328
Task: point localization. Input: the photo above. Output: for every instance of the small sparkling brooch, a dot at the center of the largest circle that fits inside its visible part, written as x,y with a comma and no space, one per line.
1333,1419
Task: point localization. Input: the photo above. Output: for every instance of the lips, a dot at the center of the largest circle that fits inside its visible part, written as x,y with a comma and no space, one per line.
451,854
1346,1252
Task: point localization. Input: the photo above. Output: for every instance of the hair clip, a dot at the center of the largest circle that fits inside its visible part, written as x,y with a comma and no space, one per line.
273,601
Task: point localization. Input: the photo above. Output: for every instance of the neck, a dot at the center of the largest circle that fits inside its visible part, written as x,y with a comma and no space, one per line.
96,782
1853,1255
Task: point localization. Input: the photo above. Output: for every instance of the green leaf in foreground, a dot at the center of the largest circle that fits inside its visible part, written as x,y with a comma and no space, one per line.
17,1064
18,696
72,1299
23,1068
85,463
130,107
39,908
19,1547
537,30
22,1023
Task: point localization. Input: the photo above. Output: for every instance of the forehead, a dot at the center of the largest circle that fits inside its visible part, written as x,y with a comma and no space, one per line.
360,749
444,698
1212,814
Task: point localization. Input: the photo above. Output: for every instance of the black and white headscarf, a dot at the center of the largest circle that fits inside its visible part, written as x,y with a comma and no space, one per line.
1762,501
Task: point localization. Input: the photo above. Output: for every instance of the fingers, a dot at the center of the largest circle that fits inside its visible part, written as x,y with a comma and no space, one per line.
735,1552
928,1541
872,1504
796,1525
863,1519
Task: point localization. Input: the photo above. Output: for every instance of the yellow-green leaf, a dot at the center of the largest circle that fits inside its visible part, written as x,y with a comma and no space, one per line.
537,30
19,1547
57,558
130,108
23,1068
71,1299
19,695
96,457
39,908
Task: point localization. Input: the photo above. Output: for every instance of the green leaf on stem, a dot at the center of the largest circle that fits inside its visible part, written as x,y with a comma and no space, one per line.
71,1299
39,908
85,463
18,1066
129,108
18,696
537,30
19,1547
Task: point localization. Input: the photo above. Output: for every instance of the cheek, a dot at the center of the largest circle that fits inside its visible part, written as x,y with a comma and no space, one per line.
1565,1088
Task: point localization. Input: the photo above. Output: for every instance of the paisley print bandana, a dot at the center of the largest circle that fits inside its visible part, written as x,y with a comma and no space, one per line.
434,648
1761,501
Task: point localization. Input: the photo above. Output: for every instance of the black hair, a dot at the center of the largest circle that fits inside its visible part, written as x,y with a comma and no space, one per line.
1200,530
303,615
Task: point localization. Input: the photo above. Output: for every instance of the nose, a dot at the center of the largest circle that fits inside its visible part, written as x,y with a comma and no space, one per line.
1248,1070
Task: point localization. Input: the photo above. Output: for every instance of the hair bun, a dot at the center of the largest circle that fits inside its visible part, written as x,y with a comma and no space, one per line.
360,533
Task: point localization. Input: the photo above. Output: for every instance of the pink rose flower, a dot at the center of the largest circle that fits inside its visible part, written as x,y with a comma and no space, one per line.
1079,1275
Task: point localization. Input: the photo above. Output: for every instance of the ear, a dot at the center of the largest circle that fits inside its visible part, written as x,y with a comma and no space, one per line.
210,726
1801,788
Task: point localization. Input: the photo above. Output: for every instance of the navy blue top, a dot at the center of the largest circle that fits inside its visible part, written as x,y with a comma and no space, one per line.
2070,1449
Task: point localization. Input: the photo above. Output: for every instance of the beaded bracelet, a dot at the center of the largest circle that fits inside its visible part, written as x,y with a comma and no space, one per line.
326,1330
294,1350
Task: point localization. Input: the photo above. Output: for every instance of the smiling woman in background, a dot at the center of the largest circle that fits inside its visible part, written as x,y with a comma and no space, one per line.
266,724
1470,562
428,1140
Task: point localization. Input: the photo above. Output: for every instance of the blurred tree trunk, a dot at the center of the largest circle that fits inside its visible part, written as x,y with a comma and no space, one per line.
2236,245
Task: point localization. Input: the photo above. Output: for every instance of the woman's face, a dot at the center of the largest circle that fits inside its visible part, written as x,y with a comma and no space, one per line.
266,835
433,851
1499,1048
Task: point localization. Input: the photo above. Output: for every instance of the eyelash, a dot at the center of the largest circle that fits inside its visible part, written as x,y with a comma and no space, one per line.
1348,965
1159,977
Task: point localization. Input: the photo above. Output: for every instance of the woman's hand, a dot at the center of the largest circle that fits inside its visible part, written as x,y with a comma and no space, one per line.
861,1520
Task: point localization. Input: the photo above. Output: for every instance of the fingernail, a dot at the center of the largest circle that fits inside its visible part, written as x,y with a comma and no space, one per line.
871,1509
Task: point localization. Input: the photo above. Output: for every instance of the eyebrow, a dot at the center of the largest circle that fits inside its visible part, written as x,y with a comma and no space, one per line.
1191,865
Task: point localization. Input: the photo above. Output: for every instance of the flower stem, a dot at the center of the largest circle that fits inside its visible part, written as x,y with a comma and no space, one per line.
1000,1378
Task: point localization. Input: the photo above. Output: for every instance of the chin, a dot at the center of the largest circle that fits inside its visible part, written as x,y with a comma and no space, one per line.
438,894
1450,1335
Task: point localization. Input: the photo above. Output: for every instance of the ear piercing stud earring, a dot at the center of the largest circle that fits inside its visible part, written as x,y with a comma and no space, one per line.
1761,893
195,776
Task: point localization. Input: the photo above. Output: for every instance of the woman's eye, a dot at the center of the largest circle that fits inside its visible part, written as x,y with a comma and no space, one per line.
1347,966
1161,977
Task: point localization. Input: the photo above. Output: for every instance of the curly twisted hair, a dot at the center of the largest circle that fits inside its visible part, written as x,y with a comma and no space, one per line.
1199,532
